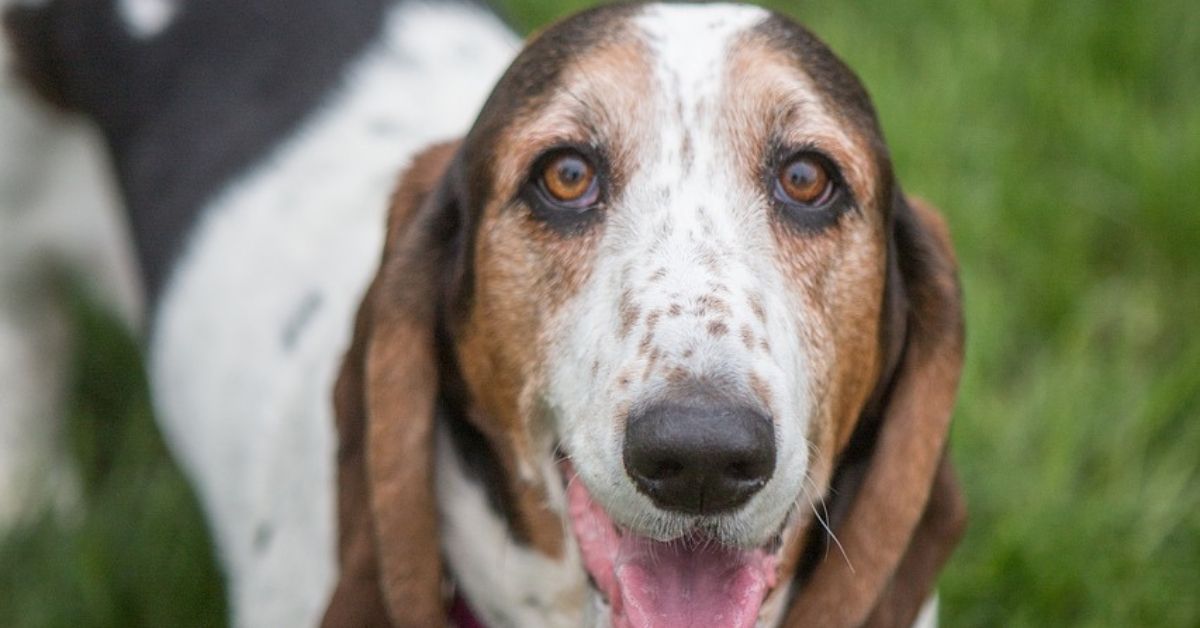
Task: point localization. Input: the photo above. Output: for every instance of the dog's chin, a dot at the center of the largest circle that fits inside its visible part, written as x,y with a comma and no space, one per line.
691,580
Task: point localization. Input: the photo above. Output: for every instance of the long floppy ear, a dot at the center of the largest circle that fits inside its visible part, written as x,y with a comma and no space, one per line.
389,558
907,513
940,529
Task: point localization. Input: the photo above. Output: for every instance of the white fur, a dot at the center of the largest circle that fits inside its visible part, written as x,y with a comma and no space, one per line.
928,617
147,18
508,585
670,217
288,251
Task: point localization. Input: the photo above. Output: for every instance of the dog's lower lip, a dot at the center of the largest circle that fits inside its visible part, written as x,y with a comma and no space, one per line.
647,583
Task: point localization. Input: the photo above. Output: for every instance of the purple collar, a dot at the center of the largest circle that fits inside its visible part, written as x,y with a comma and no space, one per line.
461,615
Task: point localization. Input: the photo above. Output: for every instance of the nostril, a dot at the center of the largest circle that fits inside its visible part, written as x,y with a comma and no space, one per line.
743,471
663,470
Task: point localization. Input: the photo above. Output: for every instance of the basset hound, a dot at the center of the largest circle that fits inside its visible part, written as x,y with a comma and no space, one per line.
658,342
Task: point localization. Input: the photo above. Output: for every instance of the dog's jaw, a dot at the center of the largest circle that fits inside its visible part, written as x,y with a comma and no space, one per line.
647,583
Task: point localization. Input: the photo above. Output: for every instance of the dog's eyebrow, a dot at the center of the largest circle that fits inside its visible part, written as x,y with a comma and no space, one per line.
586,114
807,122
835,82
790,113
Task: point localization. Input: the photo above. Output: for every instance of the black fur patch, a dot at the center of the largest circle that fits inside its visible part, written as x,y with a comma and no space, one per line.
188,110
838,82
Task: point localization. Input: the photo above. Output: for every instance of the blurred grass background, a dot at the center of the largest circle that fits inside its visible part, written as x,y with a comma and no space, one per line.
1062,140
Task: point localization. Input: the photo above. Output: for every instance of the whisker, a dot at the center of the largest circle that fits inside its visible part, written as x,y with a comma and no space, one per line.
824,521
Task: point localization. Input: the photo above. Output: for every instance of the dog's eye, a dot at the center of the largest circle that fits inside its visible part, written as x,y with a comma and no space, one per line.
565,188
569,179
804,181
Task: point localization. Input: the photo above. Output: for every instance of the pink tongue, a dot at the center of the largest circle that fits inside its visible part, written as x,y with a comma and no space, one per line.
651,584
670,585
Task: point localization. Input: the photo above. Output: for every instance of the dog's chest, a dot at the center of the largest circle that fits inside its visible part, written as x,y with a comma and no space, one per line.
253,322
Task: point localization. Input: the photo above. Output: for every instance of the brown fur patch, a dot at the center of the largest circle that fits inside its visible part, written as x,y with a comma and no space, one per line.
651,362
748,337
384,406
713,304
594,105
628,312
883,524
778,101
762,390
677,375
756,306
652,320
524,271
645,344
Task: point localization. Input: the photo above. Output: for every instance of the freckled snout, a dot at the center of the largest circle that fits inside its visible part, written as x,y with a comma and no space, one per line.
701,458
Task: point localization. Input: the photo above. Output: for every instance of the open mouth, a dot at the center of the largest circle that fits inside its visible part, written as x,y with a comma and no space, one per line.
690,581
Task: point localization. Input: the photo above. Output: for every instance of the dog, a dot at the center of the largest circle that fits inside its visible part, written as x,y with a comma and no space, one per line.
659,341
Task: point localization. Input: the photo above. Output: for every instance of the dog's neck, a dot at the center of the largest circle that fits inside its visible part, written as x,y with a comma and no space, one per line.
508,582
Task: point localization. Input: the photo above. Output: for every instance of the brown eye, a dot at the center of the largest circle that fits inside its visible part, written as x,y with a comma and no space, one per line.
805,181
569,179
566,188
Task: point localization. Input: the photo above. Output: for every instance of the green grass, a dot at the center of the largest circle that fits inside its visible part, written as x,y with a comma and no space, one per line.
136,552
1062,140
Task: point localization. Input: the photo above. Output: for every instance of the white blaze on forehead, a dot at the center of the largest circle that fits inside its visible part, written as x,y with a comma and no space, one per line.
692,39
690,44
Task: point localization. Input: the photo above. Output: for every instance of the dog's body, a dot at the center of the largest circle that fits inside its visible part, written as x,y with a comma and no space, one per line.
245,393
247,325
257,193
48,230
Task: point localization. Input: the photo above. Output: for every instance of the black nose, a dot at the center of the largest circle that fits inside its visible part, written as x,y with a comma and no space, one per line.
699,459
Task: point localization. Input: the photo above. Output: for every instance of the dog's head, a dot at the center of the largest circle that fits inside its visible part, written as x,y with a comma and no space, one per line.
669,284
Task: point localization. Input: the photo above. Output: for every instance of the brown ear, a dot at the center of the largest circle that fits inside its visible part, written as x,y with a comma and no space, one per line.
389,558
940,529
894,536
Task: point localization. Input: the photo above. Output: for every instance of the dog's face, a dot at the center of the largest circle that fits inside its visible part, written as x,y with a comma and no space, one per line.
664,289
677,262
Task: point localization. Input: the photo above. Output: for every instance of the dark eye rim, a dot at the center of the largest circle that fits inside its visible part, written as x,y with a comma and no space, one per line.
567,215
837,201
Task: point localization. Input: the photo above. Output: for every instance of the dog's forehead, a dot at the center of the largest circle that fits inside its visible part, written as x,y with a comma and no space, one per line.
592,77
692,42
